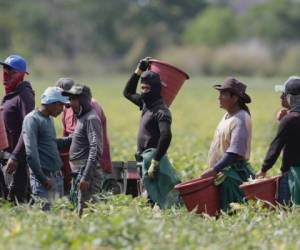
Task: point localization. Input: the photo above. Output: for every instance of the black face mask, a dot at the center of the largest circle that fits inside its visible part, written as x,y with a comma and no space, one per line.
151,96
153,80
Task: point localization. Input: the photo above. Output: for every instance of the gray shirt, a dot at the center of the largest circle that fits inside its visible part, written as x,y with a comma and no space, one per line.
233,135
41,144
87,143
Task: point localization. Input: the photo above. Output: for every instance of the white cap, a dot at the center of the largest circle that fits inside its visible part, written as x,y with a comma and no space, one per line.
52,95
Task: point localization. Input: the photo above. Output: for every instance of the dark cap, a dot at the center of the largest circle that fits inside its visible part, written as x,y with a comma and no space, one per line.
78,90
236,87
292,86
65,83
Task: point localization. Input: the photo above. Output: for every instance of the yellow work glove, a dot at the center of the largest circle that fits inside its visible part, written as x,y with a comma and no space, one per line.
153,169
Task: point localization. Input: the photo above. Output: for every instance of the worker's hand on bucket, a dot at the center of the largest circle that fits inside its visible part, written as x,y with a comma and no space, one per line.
142,65
260,174
208,173
153,170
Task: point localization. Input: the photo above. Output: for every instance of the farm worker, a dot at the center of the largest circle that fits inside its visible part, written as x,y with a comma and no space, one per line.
154,135
86,148
230,149
17,102
69,120
42,146
284,103
288,140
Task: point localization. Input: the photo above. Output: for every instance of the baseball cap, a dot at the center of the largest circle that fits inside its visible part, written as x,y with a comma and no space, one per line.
78,90
15,62
65,83
292,86
52,95
281,88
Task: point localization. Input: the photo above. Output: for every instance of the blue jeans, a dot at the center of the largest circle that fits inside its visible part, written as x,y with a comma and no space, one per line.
283,190
39,190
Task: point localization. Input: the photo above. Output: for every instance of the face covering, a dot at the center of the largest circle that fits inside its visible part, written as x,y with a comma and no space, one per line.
151,78
11,80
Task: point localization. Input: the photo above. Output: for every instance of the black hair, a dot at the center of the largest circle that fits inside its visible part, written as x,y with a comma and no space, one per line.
241,103
244,106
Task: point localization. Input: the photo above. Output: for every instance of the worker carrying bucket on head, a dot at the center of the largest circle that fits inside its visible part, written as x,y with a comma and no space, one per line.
154,136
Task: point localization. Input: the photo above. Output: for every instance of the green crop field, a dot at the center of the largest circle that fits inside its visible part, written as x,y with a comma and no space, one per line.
121,222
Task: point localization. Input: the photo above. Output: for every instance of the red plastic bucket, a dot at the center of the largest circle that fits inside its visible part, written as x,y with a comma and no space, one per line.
263,189
200,194
64,155
172,79
3,135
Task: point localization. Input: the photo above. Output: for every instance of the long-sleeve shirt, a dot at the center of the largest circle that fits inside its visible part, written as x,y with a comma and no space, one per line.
233,135
16,105
288,139
155,123
42,145
69,121
227,160
87,143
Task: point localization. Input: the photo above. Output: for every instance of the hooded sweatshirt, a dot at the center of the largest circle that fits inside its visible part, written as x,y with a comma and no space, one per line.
87,142
16,105
286,139
156,119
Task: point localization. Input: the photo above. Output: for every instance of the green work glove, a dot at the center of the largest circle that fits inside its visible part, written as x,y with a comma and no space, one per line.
142,65
153,169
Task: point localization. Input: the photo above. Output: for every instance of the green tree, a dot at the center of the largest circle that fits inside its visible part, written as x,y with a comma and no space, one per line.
274,22
214,26
105,29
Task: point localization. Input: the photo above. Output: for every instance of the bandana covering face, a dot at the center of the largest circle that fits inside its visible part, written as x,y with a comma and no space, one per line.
11,80
151,78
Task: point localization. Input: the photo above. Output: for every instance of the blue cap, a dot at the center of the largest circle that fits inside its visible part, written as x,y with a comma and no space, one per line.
52,95
15,62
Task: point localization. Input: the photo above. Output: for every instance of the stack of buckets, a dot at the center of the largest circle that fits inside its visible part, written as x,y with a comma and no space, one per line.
262,189
200,195
172,79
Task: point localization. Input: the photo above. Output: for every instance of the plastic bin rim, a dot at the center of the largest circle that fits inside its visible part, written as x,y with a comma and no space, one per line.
170,65
193,181
265,180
